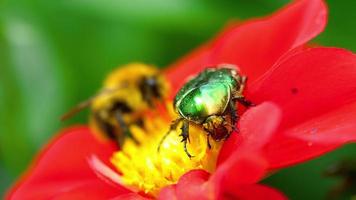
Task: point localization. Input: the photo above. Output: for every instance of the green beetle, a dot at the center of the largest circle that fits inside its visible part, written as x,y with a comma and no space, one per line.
209,100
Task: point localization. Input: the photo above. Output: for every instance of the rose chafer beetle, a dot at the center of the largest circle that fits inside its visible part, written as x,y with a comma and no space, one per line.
209,100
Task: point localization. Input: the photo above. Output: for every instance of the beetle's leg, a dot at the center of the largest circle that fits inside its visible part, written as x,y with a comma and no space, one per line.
185,136
233,113
208,133
234,116
125,129
173,126
243,84
237,95
241,99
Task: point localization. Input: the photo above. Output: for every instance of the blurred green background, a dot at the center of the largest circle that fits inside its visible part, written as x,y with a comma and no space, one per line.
53,54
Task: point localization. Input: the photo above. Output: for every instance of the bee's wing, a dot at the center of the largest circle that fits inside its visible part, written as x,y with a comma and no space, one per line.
87,103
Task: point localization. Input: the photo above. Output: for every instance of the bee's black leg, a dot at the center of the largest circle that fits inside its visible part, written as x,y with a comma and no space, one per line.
140,123
105,127
173,126
150,90
185,137
207,141
124,128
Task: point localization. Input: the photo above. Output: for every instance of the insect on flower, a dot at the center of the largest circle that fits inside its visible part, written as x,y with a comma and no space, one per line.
291,124
127,93
209,100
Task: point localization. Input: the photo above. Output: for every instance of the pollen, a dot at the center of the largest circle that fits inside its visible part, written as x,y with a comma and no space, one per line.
146,169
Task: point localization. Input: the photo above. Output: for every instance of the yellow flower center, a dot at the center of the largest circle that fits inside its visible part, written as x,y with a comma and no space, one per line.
145,169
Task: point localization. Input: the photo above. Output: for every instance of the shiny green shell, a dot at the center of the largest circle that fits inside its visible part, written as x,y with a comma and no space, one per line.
207,94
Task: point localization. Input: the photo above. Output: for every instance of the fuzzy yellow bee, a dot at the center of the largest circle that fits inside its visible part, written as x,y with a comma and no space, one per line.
128,92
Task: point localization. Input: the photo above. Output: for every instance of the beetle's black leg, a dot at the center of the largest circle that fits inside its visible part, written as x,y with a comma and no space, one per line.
207,141
233,113
124,128
234,118
173,126
243,83
238,94
237,118
185,136
241,99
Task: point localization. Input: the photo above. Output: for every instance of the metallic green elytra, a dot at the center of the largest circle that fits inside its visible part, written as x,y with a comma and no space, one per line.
206,95
209,100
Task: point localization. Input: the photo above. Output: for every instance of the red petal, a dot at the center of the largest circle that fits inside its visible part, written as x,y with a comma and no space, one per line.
85,190
257,125
252,192
239,169
314,137
258,44
197,185
255,45
240,163
243,166
130,196
189,65
168,192
305,86
191,185
336,127
284,151
61,170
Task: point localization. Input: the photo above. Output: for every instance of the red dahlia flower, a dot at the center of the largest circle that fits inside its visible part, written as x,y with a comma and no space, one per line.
306,103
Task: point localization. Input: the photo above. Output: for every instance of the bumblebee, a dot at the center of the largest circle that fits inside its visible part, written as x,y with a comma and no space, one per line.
209,101
127,93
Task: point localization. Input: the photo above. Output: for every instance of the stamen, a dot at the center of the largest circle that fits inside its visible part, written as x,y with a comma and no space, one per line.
148,170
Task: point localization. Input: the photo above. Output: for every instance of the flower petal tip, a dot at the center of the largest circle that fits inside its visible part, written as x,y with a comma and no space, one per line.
103,171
